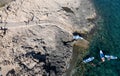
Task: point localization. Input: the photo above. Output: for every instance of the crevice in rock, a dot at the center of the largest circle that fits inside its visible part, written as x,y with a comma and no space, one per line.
84,35
11,73
67,43
68,10
39,40
44,47
76,33
27,47
50,69
38,56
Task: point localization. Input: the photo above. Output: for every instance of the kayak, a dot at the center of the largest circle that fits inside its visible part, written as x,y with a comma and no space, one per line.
76,37
110,57
102,56
88,59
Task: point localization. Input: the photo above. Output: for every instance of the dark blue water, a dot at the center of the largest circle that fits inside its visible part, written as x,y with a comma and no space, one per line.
106,39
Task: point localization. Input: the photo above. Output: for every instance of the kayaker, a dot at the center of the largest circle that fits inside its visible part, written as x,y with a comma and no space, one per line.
102,56
88,59
110,57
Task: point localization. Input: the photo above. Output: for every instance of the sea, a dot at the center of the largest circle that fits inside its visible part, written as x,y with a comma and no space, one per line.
107,39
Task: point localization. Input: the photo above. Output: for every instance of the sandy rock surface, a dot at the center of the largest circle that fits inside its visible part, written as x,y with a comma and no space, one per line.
37,31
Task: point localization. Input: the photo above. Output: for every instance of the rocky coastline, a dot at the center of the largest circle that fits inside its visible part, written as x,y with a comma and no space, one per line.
34,43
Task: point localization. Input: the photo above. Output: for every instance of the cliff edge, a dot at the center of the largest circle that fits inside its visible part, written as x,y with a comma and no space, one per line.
36,32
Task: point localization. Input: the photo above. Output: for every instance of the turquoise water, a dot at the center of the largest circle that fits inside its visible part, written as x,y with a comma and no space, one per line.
106,39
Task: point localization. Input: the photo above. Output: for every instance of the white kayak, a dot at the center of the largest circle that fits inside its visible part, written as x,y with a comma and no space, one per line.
76,37
110,57
88,59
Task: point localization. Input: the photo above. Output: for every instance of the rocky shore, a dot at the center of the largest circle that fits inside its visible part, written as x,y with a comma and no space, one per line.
34,42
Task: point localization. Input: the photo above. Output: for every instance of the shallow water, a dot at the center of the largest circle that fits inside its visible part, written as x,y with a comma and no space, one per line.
106,39
72,62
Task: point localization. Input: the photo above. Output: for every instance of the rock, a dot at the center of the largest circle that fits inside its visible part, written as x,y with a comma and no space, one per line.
92,17
2,3
38,30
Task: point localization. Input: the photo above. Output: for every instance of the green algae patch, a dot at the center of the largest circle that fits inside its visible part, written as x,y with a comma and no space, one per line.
79,51
79,66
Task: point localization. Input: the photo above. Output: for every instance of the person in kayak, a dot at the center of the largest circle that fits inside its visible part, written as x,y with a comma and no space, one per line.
88,59
102,56
109,57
